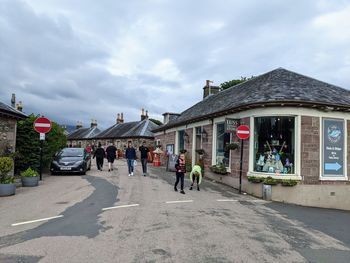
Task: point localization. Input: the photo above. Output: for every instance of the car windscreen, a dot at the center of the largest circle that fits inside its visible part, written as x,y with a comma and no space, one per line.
71,152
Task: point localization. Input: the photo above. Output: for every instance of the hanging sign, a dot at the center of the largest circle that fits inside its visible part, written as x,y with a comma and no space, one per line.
333,147
231,125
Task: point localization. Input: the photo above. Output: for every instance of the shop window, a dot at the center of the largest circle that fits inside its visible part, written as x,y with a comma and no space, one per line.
274,144
222,139
181,140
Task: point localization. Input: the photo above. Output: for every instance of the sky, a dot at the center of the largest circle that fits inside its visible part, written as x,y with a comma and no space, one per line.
77,60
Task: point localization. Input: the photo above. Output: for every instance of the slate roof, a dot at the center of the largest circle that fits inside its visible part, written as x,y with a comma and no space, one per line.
140,129
279,87
83,133
11,112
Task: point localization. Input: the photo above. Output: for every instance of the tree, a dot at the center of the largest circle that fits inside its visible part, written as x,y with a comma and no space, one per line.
28,144
231,83
156,121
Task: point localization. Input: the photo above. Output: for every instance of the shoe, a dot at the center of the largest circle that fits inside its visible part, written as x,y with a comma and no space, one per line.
191,188
109,170
198,188
175,189
182,192
132,174
112,169
144,174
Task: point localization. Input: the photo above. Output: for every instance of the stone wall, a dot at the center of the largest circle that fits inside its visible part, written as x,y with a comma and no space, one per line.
7,135
310,149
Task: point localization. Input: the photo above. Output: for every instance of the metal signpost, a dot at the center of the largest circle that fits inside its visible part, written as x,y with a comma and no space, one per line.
243,133
42,125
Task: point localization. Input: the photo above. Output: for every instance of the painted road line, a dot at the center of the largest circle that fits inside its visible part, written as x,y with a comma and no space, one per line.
175,202
227,200
119,206
37,220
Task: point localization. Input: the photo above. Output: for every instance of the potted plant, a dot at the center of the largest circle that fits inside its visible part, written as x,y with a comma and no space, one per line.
232,146
200,151
255,179
30,178
219,169
289,182
270,181
7,182
183,151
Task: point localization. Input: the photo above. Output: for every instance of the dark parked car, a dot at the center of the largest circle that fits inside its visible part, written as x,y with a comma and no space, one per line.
71,160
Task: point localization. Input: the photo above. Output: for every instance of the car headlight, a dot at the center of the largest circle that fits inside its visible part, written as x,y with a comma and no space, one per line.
79,163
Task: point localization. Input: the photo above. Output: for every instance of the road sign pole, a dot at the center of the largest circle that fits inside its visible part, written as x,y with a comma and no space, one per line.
41,158
240,168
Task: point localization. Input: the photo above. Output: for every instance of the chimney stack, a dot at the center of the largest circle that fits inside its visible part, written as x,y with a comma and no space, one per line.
147,114
93,123
79,125
210,90
19,106
143,116
118,118
13,100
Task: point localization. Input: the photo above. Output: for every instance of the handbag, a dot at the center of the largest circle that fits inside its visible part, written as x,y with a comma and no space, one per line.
135,162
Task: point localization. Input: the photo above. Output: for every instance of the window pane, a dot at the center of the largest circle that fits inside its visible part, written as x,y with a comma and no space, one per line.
181,140
222,138
274,144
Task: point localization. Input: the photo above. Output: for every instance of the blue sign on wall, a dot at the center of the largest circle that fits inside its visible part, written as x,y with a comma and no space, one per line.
333,147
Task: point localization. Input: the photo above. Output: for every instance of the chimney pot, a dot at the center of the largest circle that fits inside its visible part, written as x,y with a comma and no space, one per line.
13,100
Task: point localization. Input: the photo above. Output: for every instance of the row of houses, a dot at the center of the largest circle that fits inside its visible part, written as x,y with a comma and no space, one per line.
119,134
299,130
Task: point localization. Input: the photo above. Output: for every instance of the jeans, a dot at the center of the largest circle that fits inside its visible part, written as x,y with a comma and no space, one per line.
130,165
180,176
144,165
99,162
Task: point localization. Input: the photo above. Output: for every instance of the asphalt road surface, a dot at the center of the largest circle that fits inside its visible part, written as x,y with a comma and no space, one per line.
110,217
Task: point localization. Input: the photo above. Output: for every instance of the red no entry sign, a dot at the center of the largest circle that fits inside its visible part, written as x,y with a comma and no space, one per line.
42,125
243,132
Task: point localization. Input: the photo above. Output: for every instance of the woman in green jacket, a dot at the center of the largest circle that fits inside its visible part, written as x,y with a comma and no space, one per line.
196,173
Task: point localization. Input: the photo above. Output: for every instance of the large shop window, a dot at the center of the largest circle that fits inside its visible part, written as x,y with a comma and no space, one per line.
222,139
181,135
274,145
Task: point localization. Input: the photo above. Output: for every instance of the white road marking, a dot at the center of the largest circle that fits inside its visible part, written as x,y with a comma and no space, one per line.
227,200
258,201
119,206
38,220
175,202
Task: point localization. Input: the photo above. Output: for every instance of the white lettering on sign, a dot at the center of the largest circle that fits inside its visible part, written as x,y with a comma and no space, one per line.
42,125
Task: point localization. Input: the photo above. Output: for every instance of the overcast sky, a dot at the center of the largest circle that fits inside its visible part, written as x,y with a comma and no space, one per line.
75,60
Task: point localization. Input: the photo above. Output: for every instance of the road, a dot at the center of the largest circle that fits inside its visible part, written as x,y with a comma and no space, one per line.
110,217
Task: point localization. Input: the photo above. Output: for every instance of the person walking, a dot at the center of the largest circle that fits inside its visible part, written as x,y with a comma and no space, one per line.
196,173
100,155
180,167
144,157
130,155
111,155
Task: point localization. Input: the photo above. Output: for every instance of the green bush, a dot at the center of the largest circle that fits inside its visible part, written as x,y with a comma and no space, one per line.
255,179
271,181
289,182
29,173
219,169
6,165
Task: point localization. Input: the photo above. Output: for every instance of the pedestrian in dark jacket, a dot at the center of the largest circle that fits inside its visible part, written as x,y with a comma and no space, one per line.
111,155
130,155
100,155
180,167
144,157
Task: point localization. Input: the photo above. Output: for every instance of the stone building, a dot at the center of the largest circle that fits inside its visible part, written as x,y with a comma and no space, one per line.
81,136
123,132
299,130
9,116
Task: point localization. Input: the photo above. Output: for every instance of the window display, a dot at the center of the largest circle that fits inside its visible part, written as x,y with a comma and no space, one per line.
274,144
222,139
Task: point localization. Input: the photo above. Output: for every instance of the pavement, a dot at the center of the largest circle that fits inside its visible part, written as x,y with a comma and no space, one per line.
110,217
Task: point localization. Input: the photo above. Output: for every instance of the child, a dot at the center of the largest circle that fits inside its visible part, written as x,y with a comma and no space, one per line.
180,172
196,173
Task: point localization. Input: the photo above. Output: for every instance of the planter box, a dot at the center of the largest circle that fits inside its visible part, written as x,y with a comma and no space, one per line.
30,181
7,189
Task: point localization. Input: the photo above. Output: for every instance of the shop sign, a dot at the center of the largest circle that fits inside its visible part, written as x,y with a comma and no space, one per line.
231,125
333,147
